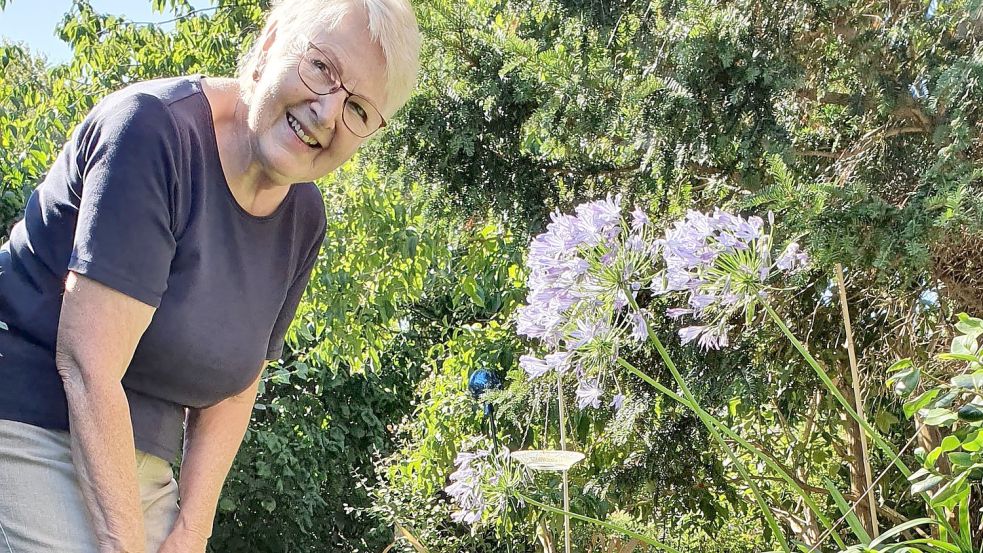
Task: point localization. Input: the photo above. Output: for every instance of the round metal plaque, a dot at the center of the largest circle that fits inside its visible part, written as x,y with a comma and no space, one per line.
548,459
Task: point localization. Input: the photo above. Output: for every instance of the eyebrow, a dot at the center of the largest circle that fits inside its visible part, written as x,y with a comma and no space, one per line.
332,54
335,59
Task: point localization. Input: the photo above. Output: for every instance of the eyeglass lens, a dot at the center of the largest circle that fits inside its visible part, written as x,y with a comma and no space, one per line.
321,75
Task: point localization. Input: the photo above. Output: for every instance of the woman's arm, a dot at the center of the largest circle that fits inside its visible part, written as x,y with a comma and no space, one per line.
211,440
98,332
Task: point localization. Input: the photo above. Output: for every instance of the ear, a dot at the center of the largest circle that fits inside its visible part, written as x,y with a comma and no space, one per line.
268,39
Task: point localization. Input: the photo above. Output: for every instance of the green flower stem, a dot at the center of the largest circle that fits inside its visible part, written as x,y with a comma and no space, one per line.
708,422
610,526
704,416
758,496
874,434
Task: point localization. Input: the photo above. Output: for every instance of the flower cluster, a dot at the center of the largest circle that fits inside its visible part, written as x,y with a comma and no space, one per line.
560,274
722,262
483,482
581,272
586,264
465,487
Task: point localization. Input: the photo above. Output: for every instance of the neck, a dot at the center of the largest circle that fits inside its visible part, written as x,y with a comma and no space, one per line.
257,192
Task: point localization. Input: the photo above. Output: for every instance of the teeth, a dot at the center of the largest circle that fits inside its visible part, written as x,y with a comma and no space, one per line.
295,125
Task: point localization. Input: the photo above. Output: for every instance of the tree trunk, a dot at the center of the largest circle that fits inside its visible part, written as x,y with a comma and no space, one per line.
854,458
929,438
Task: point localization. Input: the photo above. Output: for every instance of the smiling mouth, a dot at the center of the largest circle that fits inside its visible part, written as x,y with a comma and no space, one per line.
299,131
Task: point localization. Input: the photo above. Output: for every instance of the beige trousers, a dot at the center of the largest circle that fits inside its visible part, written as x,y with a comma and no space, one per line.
41,505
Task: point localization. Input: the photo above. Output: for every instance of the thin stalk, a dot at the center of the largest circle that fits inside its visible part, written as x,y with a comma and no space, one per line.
706,419
758,497
858,401
874,435
806,497
566,476
610,526
824,377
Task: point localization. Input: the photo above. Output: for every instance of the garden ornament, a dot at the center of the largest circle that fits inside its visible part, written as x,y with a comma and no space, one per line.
481,381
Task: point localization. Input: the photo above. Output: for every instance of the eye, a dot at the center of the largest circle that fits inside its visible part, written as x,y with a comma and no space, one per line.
359,109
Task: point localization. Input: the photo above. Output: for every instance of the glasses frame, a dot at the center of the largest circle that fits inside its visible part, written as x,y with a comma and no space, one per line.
341,86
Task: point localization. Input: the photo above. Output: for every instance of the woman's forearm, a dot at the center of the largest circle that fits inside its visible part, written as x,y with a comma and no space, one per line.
104,458
211,440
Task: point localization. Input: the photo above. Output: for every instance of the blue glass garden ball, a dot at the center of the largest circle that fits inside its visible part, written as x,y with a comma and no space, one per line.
483,380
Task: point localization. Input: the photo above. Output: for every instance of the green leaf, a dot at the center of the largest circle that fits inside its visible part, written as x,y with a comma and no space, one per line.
926,484
969,326
898,530
905,381
947,399
845,510
919,474
973,442
950,443
973,381
938,416
961,459
900,365
959,357
885,420
913,406
970,413
950,494
964,345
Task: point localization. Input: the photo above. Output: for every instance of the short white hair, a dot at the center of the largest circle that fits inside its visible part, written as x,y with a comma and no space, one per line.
392,25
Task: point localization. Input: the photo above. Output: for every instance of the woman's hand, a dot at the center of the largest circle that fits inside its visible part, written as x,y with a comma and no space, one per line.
183,541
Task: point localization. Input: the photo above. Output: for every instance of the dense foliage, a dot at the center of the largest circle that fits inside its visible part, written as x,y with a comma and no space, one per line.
857,122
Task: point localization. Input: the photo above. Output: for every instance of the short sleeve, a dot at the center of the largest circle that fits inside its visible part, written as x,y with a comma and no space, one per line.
126,162
294,295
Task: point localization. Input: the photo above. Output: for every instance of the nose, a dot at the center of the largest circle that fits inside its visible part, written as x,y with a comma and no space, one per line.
327,110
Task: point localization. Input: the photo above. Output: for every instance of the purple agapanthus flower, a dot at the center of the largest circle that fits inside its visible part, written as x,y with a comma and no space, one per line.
639,219
465,487
714,338
559,361
792,258
719,264
677,312
617,401
722,260
589,394
639,328
534,366
690,333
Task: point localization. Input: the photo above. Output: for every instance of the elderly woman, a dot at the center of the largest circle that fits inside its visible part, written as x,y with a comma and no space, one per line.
158,267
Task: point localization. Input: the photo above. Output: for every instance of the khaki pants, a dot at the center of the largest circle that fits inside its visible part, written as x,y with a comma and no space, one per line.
41,505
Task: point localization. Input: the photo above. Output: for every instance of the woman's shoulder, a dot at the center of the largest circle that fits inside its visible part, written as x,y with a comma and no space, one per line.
147,104
309,204
142,118
166,90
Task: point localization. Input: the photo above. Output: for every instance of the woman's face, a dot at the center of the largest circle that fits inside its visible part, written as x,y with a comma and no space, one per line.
282,103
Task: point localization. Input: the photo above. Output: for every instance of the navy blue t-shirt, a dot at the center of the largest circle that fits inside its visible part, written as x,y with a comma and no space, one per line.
137,201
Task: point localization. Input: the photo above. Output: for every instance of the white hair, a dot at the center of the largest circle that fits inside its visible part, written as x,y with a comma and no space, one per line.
392,25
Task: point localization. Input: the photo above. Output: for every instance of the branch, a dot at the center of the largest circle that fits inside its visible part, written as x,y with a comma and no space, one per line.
903,130
595,171
869,139
835,98
183,17
817,153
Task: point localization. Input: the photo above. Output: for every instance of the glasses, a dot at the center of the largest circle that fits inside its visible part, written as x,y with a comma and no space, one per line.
322,77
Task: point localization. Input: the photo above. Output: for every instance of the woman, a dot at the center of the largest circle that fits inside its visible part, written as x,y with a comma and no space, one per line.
158,267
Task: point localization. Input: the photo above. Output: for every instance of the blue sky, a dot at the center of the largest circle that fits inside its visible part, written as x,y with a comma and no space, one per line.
33,21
